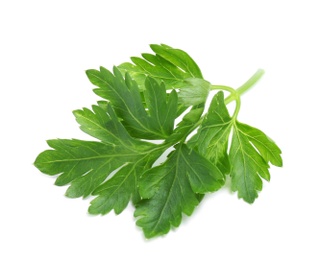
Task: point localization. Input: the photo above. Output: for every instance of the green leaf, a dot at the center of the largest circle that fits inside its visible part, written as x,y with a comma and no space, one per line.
179,58
117,192
162,112
265,146
101,122
156,123
175,68
171,189
249,164
88,164
168,65
211,139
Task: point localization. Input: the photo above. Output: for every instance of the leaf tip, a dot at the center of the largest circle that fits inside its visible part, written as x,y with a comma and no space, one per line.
77,112
72,193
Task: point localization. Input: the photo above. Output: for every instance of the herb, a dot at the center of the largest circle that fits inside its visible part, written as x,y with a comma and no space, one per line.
141,102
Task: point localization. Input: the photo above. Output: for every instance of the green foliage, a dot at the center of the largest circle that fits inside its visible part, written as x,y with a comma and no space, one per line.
168,65
171,189
250,153
155,123
141,102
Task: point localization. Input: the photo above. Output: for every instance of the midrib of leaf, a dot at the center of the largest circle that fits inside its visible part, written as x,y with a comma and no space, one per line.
166,202
170,191
89,158
240,148
145,153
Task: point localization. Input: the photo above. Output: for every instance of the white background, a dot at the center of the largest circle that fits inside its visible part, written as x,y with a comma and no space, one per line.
45,48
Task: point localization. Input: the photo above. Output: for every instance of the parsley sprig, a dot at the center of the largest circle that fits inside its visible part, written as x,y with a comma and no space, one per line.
141,101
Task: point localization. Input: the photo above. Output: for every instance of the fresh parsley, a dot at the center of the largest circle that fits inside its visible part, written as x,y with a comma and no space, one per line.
141,102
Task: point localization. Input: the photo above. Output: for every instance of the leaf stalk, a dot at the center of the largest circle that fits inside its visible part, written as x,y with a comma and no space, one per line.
236,93
247,85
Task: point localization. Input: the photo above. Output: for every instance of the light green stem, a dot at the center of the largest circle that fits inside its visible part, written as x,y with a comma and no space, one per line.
246,86
236,93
